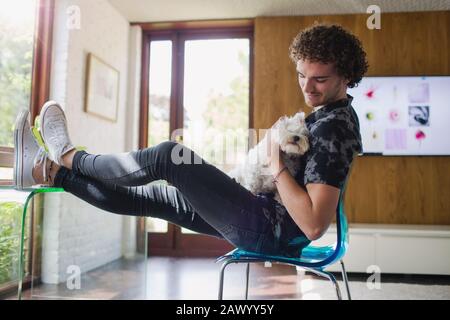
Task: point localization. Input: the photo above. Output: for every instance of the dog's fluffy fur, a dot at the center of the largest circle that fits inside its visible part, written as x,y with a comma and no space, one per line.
254,173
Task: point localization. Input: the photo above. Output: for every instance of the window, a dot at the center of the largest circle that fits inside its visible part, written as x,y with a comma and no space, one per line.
25,55
25,38
17,19
196,89
216,98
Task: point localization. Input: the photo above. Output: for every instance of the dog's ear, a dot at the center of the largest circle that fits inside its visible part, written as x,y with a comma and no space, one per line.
279,121
299,116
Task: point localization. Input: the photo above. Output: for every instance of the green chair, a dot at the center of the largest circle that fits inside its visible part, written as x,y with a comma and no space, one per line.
14,205
30,232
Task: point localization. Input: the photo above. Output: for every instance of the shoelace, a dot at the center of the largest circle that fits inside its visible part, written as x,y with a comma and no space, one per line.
42,156
43,147
58,125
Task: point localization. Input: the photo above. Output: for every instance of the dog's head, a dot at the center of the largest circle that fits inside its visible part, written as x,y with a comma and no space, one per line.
293,134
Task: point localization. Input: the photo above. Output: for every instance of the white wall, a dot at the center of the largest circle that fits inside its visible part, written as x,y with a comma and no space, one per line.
75,232
132,125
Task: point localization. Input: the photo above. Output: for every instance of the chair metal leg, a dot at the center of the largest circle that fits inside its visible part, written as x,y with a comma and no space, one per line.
330,277
336,285
318,272
344,276
222,274
246,282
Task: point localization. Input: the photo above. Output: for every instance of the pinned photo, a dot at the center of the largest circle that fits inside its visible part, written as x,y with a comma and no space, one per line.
419,93
395,139
419,116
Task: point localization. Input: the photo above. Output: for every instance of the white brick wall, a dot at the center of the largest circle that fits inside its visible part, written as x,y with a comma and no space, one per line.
75,232
132,124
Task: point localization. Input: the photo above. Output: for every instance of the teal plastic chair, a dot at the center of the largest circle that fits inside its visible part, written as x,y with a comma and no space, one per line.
313,258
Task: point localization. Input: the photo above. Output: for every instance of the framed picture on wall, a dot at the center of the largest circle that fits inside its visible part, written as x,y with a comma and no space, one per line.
102,89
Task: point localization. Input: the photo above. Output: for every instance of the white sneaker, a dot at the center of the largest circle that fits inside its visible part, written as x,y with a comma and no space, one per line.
53,129
27,153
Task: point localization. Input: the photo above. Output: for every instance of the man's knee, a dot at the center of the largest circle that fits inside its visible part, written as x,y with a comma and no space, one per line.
161,152
166,147
177,153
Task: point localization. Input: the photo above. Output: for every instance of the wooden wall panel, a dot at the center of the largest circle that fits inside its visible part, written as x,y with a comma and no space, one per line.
403,190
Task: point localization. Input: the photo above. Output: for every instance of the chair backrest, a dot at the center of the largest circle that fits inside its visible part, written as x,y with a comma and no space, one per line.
336,251
342,238
341,227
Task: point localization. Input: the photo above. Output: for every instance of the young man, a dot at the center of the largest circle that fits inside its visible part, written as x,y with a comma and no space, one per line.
328,59
203,198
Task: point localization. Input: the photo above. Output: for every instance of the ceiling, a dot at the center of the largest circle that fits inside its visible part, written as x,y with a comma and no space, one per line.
182,10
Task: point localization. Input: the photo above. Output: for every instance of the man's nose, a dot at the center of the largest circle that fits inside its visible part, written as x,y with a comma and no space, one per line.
308,86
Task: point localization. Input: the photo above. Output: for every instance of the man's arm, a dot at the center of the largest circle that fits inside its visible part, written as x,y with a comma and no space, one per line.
313,210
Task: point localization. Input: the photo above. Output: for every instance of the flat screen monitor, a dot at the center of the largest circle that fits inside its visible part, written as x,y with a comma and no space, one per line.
404,115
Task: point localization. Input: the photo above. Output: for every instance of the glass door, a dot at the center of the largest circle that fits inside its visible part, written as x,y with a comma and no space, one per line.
216,101
199,95
160,233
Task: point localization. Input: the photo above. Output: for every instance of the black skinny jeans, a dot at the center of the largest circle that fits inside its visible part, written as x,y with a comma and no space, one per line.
201,197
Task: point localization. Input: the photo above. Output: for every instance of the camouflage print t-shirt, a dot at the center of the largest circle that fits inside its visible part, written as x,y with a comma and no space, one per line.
334,138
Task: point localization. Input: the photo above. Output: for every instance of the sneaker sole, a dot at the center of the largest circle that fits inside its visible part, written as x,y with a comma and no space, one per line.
18,149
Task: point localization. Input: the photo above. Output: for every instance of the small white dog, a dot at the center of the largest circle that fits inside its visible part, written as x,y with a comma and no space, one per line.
254,173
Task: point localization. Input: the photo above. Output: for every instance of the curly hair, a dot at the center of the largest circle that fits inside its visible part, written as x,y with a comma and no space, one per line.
331,44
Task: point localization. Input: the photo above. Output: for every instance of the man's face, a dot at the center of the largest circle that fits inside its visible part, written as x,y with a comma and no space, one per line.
320,83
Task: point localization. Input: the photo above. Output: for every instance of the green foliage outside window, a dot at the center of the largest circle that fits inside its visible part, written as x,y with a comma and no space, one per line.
16,58
10,227
229,113
16,53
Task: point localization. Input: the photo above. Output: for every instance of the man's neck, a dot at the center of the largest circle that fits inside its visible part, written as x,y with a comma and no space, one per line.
317,108
328,103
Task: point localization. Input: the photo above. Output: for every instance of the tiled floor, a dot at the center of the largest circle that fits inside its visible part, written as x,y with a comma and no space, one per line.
198,279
